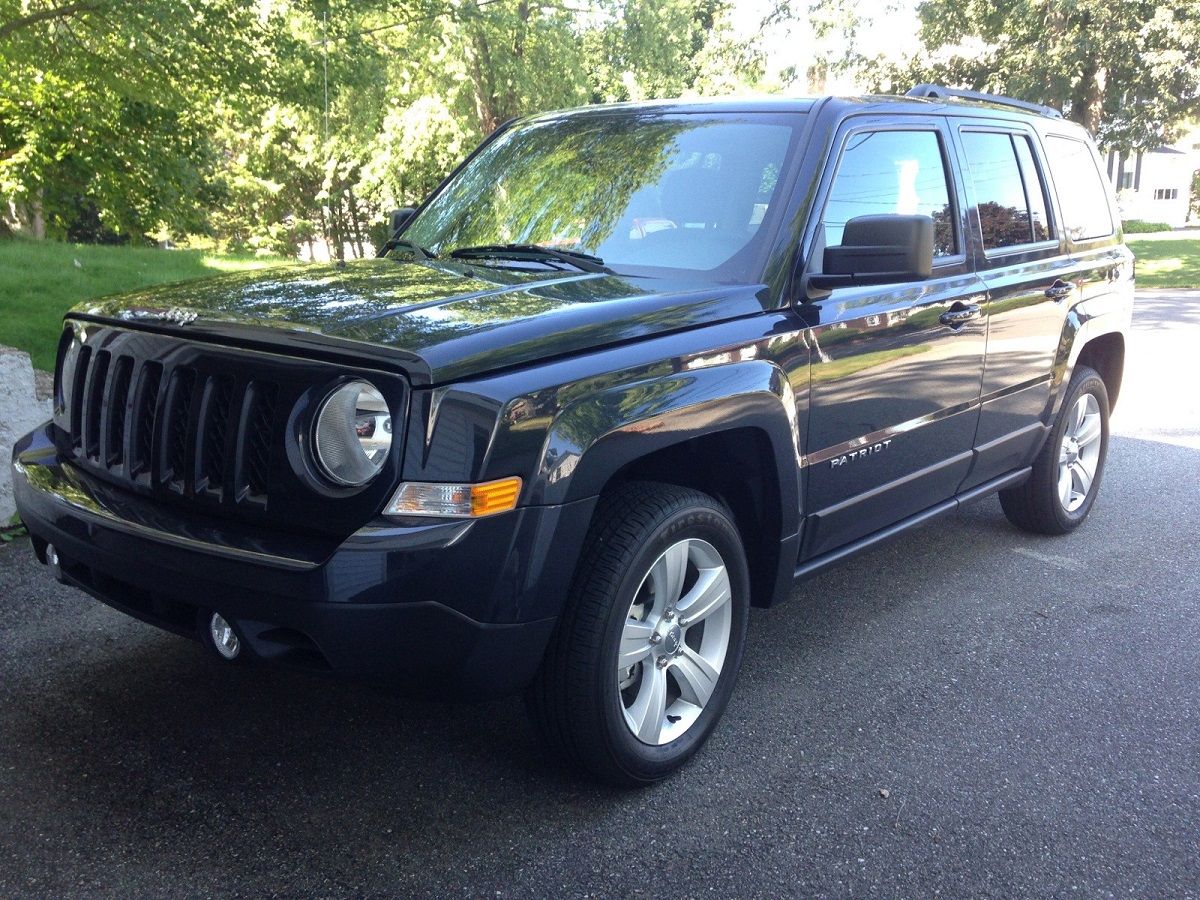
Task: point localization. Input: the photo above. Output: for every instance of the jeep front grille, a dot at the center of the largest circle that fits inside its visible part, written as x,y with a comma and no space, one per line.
212,428
205,436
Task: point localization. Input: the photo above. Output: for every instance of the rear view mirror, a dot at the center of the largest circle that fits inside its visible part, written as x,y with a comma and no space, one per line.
400,218
878,250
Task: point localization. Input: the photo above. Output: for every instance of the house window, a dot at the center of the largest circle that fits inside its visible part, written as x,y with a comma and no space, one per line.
1166,194
1126,181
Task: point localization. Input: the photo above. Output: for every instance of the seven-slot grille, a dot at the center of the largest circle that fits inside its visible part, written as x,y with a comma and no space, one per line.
193,431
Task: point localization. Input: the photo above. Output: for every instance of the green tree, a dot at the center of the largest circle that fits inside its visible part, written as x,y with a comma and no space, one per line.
498,59
269,123
1128,70
645,49
106,106
835,26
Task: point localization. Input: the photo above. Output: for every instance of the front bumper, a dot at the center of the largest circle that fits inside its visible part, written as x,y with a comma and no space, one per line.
442,608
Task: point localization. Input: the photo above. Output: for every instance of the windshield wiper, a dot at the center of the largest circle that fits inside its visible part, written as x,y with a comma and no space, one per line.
403,244
585,262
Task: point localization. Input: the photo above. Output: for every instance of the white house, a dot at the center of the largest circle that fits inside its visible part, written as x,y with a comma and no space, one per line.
1155,185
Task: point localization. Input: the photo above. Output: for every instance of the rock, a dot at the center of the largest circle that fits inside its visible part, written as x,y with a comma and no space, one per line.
43,383
21,410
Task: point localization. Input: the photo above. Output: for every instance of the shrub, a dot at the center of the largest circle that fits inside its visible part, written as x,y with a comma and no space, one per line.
1140,226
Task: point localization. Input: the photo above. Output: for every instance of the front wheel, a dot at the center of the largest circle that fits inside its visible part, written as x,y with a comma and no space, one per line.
1066,475
645,655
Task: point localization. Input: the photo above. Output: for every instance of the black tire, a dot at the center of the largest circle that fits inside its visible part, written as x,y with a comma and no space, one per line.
584,705
1047,503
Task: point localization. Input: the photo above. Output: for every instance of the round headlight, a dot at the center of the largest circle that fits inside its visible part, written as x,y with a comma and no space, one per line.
354,434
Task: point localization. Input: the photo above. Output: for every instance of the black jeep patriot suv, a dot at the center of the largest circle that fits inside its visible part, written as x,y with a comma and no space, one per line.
628,372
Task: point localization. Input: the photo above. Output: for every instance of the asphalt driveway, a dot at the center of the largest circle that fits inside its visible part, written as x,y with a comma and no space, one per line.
970,710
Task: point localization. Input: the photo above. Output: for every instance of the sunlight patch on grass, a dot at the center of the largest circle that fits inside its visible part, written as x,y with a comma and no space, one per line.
1173,263
220,263
1157,267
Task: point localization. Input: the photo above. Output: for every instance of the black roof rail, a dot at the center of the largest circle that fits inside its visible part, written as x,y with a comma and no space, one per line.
937,92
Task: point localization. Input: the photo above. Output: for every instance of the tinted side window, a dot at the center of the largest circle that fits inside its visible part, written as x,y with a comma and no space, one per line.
892,173
1035,189
1082,192
1008,188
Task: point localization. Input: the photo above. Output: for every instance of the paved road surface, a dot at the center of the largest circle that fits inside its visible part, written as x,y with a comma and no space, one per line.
971,710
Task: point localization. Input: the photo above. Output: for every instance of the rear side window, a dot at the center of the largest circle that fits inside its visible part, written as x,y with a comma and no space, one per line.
892,173
1082,192
1008,190
1035,189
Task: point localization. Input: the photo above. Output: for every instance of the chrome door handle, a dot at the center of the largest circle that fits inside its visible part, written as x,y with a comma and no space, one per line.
960,315
1060,290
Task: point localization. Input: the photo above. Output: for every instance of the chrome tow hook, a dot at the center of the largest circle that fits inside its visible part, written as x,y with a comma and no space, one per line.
54,565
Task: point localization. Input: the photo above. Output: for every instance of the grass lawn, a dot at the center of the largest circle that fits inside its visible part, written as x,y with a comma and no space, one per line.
1167,261
40,281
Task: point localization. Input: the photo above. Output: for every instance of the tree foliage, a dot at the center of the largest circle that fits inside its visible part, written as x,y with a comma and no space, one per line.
274,122
107,107
1128,70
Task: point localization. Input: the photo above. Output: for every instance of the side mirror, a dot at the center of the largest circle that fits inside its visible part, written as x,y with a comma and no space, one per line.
400,218
878,250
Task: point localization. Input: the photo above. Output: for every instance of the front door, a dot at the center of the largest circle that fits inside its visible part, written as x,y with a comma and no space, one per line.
896,370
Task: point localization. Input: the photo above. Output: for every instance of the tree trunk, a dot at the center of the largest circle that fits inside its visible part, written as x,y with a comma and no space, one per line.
326,234
355,224
480,57
523,17
339,228
817,76
1087,100
37,219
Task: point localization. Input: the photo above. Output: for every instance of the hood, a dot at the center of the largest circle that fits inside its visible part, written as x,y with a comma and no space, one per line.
441,321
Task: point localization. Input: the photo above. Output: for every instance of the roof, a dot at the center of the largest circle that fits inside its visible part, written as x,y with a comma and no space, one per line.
988,106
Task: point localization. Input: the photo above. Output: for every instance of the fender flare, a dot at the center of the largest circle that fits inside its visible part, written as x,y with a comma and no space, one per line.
595,436
1086,321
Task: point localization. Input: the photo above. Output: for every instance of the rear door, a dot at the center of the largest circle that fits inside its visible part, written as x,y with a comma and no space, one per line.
1102,264
1021,254
896,370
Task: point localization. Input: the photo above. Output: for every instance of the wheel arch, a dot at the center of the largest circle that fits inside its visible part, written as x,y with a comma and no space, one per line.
728,431
1094,336
1105,354
736,468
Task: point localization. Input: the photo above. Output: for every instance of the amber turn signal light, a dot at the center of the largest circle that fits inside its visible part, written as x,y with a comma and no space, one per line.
415,498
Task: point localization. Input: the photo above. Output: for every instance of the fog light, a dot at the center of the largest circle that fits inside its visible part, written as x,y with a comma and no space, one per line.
223,637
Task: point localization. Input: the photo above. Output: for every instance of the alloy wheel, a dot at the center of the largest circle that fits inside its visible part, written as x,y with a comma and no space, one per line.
674,641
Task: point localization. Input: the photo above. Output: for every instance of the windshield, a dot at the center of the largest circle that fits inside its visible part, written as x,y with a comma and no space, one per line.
640,190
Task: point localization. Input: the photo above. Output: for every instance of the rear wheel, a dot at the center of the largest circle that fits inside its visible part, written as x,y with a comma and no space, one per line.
1066,474
645,655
